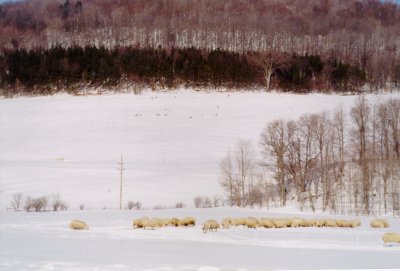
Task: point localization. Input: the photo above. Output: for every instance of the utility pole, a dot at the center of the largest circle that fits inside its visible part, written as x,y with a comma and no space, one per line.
121,169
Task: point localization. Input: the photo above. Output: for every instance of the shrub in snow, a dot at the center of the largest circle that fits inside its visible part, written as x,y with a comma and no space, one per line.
36,204
134,205
28,204
81,207
78,225
207,203
210,225
391,237
198,202
379,223
58,204
180,205
159,207
188,221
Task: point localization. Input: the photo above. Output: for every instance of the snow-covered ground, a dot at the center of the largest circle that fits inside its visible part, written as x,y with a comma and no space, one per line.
171,142
43,241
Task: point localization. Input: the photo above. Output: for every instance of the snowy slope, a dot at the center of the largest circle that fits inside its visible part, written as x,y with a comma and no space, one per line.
171,142
43,241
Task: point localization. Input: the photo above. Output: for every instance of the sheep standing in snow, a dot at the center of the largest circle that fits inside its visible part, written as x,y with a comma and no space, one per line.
188,221
379,223
282,222
138,223
175,222
226,222
331,223
150,224
267,223
78,225
252,222
210,225
343,223
355,223
239,222
167,221
319,222
391,237
297,222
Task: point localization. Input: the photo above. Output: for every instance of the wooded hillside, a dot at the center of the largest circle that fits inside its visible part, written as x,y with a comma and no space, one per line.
364,34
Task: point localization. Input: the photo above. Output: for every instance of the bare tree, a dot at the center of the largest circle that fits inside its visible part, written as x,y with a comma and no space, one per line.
245,166
28,206
270,61
16,201
320,129
198,202
226,178
207,203
360,115
274,147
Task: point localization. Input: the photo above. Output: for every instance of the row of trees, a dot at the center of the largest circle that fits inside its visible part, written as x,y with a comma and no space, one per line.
49,70
37,204
364,34
332,162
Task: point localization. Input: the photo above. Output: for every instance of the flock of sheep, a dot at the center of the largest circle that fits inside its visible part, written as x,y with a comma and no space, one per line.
251,222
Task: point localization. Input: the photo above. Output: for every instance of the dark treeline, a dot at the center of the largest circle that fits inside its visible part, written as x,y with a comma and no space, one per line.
364,34
46,71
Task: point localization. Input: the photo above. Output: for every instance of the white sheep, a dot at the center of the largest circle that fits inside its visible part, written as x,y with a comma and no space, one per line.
319,222
150,223
167,221
78,225
188,221
379,223
175,222
355,223
391,237
267,223
343,223
239,222
331,223
210,225
252,222
282,222
138,223
159,223
226,222
297,222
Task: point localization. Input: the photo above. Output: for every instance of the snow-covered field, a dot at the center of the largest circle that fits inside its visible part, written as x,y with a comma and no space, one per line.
43,241
171,142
